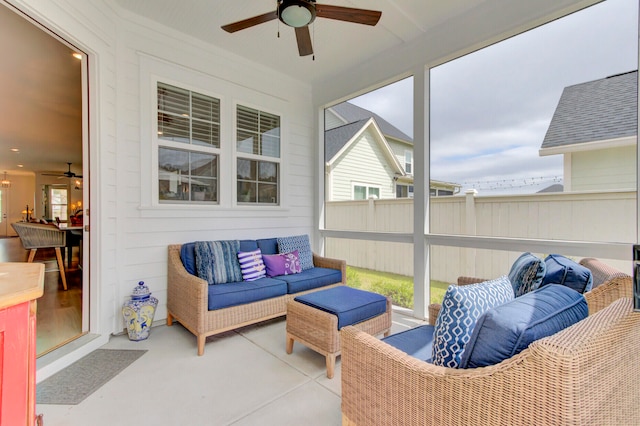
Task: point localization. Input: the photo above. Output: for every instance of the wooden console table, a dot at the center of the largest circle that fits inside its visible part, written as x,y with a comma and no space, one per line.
20,285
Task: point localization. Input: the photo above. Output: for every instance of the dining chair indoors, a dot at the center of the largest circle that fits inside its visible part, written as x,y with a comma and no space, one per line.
36,235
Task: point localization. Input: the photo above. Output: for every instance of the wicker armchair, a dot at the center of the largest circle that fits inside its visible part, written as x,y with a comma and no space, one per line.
603,276
35,235
584,375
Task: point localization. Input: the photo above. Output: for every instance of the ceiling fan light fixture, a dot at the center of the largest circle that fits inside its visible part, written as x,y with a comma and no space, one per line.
297,13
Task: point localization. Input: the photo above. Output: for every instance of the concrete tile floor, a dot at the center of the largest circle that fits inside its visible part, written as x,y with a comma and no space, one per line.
245,377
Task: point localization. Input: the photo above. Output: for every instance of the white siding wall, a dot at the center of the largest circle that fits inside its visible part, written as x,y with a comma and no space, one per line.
331,121
604,169
399,149
363,163
129,234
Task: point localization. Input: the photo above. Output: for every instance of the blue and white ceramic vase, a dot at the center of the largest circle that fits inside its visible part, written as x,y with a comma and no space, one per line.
138,312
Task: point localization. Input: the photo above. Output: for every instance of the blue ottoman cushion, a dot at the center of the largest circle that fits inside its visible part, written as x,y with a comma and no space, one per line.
242,292
417,342
350,305
508,329
310,279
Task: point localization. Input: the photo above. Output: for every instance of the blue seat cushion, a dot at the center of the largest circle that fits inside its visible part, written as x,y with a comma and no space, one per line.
310,279
417,342
188,257
350,305
562,270
242,292
508,329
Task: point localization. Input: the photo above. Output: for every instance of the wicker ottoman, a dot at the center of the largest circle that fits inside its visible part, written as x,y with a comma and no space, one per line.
315,319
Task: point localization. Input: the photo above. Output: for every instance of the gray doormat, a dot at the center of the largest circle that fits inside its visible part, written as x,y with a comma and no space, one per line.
79,380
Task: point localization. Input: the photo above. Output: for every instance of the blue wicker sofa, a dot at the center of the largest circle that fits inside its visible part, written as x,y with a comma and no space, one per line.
206,309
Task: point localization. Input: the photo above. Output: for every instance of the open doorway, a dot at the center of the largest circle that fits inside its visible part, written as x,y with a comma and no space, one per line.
44,151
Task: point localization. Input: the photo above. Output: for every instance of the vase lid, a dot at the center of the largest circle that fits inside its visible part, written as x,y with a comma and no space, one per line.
141,291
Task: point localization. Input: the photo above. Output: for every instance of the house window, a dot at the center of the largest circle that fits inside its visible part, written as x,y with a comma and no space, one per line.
408,162
364,192
258,156
404,191
58,197
188,145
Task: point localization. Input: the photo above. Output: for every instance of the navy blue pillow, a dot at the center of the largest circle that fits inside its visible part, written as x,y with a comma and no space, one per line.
188,257
508,329
526,273
564,271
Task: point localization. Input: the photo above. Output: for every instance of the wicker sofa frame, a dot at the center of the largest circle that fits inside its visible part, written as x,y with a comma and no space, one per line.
187,301
584,375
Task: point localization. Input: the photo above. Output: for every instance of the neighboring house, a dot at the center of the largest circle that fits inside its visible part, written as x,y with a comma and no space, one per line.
366,156
595,128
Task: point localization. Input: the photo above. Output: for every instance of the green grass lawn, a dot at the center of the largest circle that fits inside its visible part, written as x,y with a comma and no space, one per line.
398,287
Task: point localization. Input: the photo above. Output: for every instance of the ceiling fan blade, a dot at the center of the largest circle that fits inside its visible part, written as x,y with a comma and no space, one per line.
247,23
304,41
349,14
51,174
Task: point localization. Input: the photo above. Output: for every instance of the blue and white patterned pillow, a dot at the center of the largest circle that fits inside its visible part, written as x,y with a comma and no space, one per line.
217,261
461,308
526,273
300,243
251,265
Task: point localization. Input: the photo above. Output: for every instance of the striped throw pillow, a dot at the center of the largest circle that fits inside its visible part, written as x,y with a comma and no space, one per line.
251,265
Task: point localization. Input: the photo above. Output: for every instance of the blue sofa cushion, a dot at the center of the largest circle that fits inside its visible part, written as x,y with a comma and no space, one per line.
350,305
526,273
461,308
310,279
240,293
302,245
268,245
417,342
564,271
188,257
248,245
217,261
507,330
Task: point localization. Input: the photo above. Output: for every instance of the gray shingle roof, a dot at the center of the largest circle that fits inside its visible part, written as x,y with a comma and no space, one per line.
595,111
352,113
335,139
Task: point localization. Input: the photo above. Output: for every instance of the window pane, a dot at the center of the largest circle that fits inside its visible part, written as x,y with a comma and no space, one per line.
246,142
268,172
268,193
257,132
543,140
176,171
173,99
246,169
247,192
374,192
359,192
205,134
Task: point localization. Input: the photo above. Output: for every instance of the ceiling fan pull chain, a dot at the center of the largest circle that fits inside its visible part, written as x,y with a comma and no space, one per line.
278,12
313,58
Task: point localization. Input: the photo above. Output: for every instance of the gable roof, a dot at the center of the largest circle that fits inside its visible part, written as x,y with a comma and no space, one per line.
597,110
351,113
338,137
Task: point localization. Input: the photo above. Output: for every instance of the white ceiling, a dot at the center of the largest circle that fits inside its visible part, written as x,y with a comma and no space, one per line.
337,45
40,105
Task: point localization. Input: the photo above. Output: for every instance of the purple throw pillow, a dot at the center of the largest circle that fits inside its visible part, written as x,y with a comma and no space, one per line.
282,264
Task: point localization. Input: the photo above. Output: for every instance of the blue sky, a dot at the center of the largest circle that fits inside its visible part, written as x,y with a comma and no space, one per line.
491,109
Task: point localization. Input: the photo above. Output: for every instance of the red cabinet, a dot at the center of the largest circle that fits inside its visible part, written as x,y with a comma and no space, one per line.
20,285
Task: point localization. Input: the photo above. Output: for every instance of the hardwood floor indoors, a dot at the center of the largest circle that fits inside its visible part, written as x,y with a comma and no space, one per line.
59,317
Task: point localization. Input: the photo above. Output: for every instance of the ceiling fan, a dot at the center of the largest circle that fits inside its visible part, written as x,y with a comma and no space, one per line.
68,174
300,13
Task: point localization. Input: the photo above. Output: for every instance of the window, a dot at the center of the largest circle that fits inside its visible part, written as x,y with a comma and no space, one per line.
188,145
404,191
258,156
58,197
408,162
363,192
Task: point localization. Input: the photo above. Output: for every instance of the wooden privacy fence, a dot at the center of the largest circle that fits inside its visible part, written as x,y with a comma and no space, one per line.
586,216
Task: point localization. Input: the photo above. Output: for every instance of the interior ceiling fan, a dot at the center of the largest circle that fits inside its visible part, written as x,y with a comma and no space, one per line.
68,174
300,13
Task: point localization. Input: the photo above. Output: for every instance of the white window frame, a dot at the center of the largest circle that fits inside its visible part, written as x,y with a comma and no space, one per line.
188,146
368,187
241,155
408,165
